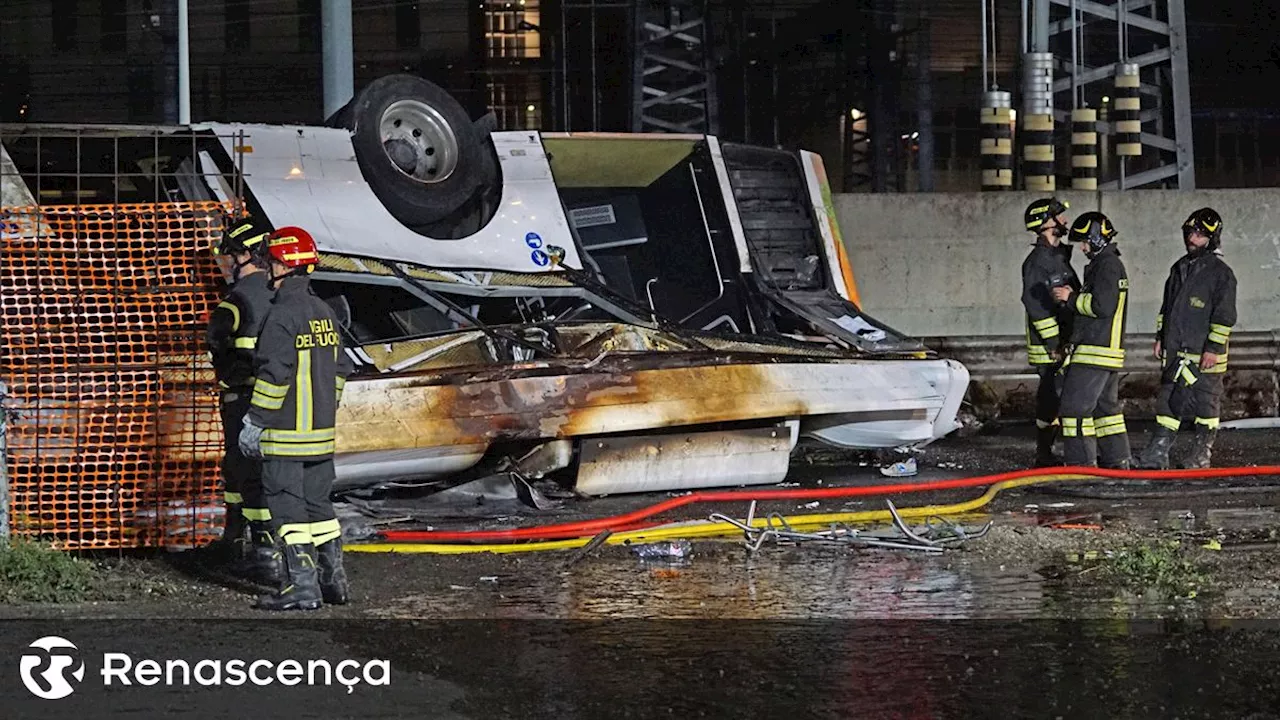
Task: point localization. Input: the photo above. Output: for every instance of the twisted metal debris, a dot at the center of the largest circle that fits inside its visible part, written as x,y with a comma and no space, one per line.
938,533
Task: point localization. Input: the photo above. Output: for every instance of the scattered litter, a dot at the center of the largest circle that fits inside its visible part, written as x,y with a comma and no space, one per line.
1028,508
809,505
489,578
1213,544
902,468
672,550
459,587
1061,505
1087,555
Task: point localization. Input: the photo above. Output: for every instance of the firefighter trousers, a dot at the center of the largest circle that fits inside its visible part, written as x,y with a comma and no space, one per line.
297,494
242,475
1093,429
1047,394
1186,393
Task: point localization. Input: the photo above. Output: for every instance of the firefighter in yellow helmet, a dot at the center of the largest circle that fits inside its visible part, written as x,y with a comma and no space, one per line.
299,373
1192,332
1093,428
1048,321
232,336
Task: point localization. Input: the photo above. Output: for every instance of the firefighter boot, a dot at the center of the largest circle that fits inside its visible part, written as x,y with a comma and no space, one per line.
1044,447
1201,450
1113,451
1082,451
265,559
301,588
333,578
232,547
1155,456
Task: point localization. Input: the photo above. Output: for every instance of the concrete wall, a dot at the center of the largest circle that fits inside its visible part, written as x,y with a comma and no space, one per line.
950,263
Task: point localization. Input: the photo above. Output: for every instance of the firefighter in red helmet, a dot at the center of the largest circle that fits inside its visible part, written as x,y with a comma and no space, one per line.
299,372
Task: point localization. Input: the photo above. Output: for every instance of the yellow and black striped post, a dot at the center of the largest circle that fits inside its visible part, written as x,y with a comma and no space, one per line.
1037,153
1039,166
1084,149
997,141
1128,104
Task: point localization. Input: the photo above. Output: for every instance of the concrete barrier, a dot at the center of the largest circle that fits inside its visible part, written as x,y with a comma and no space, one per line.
949,264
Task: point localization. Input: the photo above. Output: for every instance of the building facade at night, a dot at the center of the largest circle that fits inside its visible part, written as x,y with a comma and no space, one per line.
795,73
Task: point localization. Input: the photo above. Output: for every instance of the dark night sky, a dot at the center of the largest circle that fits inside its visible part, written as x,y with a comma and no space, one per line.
1234,49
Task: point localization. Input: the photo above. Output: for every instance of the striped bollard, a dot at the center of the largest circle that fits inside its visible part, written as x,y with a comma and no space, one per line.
1128,104
997,141
1084,149
1037,153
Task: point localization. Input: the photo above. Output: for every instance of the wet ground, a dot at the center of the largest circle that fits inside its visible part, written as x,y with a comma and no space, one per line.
1085,600
1020,570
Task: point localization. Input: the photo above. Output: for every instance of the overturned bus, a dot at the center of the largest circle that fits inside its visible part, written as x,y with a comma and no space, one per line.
623,312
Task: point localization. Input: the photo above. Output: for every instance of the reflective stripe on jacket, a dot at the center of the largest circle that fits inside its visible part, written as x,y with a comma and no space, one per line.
301,367
1048,322
1198,312
1101,309
234,326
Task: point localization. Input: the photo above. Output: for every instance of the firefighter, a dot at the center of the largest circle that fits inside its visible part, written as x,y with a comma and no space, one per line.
300,369
1047,266
1192,331
1093,429
247,543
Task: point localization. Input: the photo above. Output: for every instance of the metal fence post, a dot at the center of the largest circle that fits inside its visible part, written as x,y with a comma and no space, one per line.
4,466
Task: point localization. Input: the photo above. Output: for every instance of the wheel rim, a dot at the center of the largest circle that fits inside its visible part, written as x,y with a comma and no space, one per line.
418,141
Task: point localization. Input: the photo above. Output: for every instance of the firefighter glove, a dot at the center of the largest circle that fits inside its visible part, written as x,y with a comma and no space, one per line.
250,439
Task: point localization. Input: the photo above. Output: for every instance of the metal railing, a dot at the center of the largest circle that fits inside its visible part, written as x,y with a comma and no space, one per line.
993,356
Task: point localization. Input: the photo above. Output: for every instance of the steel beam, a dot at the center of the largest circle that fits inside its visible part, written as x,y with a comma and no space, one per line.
337,54
673,85
1112,13
1182,130
1163,67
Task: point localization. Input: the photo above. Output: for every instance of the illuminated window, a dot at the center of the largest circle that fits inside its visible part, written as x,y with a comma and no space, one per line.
517,103
510,29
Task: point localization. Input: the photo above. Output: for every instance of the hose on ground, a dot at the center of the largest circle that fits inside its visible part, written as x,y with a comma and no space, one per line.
631,520
710,529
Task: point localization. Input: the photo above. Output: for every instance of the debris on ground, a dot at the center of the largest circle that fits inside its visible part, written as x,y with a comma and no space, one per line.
671,550
934,538
902,468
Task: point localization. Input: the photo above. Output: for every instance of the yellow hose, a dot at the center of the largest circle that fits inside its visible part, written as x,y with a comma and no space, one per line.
709,529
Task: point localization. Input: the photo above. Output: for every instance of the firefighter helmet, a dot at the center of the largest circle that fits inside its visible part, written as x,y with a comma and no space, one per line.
1095,229
1207,222
1042,211
242,236
292,247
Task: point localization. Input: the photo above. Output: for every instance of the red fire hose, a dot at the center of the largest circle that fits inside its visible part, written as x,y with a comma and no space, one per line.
640,519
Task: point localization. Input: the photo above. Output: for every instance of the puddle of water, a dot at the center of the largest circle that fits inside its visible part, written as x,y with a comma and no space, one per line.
723,582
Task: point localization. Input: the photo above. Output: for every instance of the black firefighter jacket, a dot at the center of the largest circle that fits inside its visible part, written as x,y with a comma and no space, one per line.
233,331
1048,321
1198,311
1101,309
300,369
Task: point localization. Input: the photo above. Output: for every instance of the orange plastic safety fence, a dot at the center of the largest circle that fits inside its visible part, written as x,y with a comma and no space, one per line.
114,435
